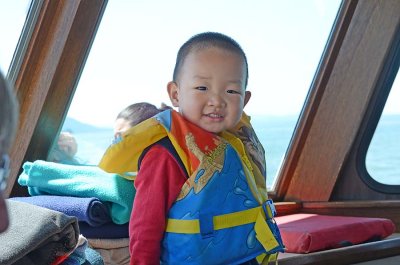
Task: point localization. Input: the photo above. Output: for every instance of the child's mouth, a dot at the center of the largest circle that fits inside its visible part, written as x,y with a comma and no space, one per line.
215,116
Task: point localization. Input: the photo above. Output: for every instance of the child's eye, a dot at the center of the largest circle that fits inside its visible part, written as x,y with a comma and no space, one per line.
231,91
201,88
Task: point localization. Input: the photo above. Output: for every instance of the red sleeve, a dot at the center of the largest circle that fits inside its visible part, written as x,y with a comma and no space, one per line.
158,184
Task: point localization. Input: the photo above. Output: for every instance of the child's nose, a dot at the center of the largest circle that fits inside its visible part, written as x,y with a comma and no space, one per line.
217,100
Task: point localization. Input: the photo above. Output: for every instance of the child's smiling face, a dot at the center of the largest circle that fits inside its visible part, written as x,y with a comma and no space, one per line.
210,90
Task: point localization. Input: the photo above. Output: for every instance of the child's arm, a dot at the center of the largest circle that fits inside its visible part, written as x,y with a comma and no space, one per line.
158,184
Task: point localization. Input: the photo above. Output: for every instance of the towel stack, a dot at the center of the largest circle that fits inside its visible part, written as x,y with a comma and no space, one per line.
101,201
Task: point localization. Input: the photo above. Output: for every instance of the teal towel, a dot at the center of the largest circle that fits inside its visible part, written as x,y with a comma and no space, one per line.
48,178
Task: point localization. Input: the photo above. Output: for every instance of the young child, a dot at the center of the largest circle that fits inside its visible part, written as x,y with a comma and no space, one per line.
65,150
133,115
201,195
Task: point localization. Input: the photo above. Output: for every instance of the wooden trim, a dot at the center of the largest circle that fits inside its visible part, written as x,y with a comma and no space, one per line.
26,34
286,208
314,167
378,209
50,70
352,204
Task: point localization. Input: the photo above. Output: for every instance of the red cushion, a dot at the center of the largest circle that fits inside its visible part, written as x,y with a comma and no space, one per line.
304,233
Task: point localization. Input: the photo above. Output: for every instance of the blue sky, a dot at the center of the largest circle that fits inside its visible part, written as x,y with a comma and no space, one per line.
133,55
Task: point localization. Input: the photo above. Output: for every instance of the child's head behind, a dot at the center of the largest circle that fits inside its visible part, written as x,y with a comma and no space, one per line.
134,114
209,81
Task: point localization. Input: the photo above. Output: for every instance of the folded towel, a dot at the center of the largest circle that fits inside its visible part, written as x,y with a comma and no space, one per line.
83,254
113,250
93,257
48,178
89,210
115,256
109,230
106,243
77,257
36,235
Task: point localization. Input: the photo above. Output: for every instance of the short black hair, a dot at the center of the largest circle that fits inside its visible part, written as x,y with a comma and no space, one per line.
207,40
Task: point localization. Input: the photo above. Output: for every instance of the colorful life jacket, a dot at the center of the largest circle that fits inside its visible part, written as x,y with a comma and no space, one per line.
222,215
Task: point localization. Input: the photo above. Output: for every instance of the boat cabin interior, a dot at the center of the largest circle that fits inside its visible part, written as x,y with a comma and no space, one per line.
323,172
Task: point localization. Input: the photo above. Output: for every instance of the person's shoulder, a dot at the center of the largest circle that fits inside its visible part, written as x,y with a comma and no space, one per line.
159,150
162,151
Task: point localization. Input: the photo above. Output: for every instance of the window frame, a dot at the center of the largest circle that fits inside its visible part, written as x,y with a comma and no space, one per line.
319,164
46,72
61,40
383,88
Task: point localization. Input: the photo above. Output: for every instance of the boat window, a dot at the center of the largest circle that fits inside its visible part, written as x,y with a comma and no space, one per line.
12,19
383,156
133,56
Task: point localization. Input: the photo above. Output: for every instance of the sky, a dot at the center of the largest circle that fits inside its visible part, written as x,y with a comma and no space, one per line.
133,54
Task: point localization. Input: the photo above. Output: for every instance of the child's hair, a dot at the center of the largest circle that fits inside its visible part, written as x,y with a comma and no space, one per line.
208,40
139,112
8,114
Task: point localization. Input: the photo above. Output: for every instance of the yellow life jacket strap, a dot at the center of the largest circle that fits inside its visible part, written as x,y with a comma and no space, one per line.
265,259
255,215
264,234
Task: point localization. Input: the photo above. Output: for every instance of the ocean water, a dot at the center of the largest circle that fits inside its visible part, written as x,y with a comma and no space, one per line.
383,156
275,132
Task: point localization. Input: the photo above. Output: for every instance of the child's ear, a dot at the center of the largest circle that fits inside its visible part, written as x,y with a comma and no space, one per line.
247,96
172,88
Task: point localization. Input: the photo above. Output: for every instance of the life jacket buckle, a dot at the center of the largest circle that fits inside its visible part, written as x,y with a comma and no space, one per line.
272,211
206,225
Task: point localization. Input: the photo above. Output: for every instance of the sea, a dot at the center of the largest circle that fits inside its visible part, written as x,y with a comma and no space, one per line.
275,132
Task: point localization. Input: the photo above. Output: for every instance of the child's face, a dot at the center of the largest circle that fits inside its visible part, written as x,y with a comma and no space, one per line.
210,90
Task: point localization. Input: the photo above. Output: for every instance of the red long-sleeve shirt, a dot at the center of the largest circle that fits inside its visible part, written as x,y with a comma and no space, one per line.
158,184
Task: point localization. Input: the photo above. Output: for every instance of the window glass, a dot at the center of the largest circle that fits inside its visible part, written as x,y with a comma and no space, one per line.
12,18
134,53
383,156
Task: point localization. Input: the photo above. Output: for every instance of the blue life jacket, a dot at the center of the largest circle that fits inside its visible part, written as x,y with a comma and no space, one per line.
222,214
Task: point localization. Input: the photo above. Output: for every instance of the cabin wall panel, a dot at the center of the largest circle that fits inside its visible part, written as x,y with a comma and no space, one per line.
350,187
